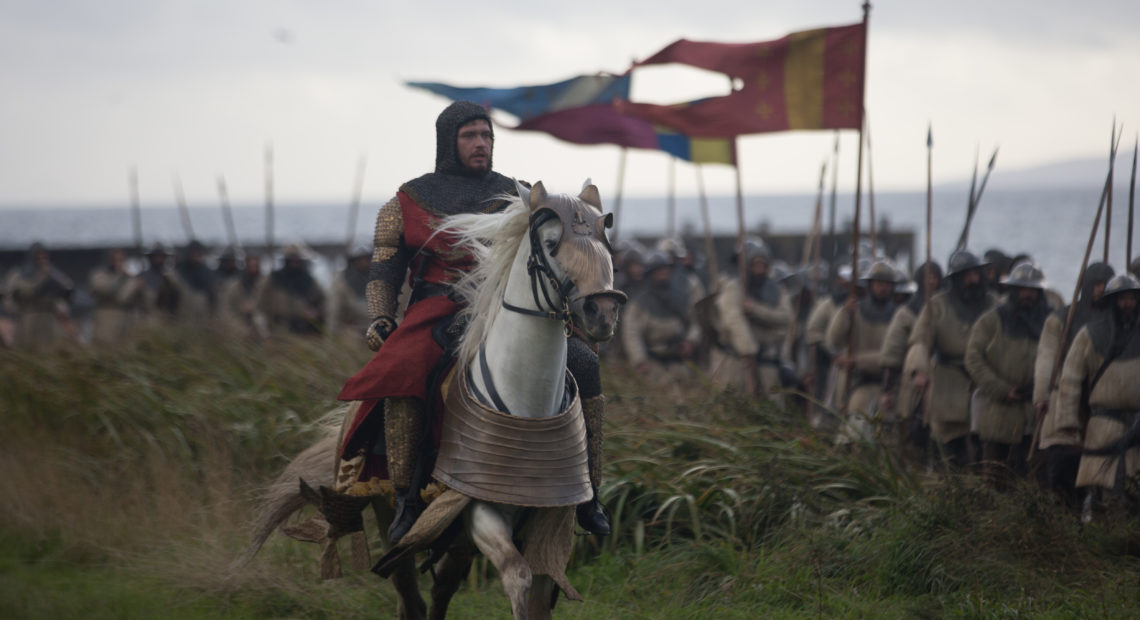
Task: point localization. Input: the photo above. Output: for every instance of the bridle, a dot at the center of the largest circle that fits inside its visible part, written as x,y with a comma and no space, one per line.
543,280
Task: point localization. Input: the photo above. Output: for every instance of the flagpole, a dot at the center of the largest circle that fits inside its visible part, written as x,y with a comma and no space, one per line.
671,203
617,198
710,248
832,241
853,290
870,187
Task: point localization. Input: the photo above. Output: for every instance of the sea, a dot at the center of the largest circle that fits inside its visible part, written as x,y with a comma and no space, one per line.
1051,225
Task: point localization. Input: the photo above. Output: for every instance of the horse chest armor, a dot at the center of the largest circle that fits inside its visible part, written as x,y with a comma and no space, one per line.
496,457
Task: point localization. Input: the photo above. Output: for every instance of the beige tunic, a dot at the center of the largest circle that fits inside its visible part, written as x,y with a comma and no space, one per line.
40,308
864,384
745,332
998,362
117,296
1118,388
656,339
241,311
1047,347
950,386
815,330
898,355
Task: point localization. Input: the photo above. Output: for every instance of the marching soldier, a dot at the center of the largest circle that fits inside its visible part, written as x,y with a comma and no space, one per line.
162,290
945,323
899,364
750,324
347,310
40,294
1000,357
659,336
242,302
815,330
196,304
1062,449
860,367
117,295
294,299
1105,362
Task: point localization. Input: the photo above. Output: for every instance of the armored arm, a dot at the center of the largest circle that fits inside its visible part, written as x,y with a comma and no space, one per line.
389,266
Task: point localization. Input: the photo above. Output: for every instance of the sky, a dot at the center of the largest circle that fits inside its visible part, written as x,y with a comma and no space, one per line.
196,90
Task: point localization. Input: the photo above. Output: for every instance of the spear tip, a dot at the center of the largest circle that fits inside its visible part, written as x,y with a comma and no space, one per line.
993,158
929,135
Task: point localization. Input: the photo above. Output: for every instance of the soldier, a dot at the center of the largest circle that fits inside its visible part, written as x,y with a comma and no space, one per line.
197,301
1000,357
242,302
998,264
162,290
818,378
899,366
659,336
347,311
750,324
1063,449
945,324
860,367
117,296
40,294
1105,361
227,269
1134,267
294,299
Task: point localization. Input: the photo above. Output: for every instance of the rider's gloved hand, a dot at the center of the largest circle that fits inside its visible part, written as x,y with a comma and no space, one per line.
378,332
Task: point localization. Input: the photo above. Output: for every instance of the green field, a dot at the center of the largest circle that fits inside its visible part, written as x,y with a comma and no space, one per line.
128,481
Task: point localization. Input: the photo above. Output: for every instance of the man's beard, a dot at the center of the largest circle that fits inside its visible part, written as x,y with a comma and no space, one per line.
972,292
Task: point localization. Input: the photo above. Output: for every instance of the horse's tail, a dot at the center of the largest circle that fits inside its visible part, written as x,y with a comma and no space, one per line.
281,499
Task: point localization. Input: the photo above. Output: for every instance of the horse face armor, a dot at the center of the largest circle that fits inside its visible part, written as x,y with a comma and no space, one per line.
572,234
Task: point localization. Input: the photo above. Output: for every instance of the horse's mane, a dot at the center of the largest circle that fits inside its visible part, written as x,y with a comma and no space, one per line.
493,239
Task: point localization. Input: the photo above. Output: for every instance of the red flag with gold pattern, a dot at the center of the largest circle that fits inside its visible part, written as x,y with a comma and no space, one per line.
807,80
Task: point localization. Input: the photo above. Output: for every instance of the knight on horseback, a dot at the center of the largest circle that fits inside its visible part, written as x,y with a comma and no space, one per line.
395,387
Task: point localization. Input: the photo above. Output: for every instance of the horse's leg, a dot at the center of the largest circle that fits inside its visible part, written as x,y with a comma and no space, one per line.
410,604
491,532
449,573
541,600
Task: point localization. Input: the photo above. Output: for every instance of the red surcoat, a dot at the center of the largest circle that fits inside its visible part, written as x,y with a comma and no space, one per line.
402,365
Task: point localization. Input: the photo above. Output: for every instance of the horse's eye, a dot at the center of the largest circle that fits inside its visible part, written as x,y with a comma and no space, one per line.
550,245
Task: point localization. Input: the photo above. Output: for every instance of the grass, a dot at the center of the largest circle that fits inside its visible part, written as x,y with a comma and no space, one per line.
127,482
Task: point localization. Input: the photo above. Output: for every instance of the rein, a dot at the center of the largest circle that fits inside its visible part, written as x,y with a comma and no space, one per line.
543,278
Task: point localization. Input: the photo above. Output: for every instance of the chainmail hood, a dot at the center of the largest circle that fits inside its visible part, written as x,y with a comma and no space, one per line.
451,188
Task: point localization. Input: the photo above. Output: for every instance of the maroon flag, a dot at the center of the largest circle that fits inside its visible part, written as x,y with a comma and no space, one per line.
807,80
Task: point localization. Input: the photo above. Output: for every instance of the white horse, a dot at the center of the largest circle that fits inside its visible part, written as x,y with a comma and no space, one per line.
543,264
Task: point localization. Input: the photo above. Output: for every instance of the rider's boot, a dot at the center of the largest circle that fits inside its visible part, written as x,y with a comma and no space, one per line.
591,515
403,432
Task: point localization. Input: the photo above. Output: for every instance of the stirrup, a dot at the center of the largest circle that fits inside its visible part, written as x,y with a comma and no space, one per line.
409,507
592,517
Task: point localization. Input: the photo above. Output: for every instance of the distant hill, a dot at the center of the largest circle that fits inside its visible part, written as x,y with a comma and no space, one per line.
1068,174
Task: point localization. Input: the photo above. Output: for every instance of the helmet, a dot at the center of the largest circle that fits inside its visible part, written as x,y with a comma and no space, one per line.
1026,275
963,260
1134,267
882,271
296,250
158,249
753,249
673,247
1121,284
657,260
906,287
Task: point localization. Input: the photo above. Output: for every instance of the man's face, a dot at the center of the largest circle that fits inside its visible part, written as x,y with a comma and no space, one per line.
1126,302
881,290
758,268
1098,290
253,265
474,146
1027,297
933,280
972,277
660,277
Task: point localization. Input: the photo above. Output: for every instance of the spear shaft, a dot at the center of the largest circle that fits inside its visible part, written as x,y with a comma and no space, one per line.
183,210
354,206
975,200
136,210
227,214
1108,214
1131,203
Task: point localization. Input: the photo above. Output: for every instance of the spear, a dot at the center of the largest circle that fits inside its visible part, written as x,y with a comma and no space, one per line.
1108,214
136,211
926,289
269,199
354,206
975,200
833,241
1131,202
227,214
183,210
870,190
1057,359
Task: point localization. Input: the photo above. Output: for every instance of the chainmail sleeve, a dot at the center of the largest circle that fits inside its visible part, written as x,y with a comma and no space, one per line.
389,262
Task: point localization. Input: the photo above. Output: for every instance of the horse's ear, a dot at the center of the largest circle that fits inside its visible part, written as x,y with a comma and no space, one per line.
537,195
523,192
590,195
602,223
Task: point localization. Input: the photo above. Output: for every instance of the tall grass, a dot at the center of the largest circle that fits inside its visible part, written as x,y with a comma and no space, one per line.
136,467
